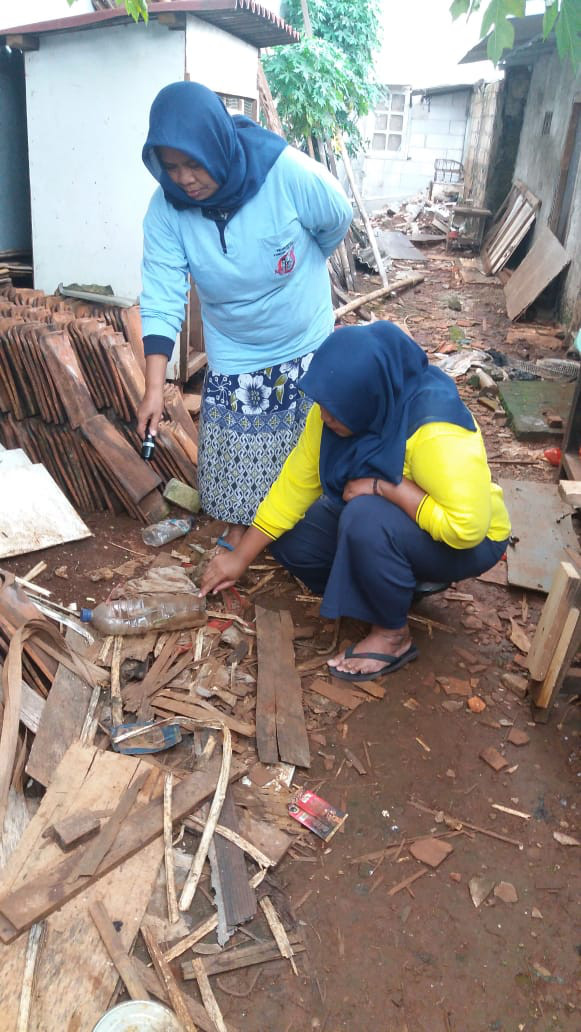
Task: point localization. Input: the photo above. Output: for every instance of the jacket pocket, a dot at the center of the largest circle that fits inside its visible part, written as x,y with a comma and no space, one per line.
281,251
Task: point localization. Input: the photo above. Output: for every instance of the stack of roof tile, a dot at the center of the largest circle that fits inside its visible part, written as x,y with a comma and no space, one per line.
71,379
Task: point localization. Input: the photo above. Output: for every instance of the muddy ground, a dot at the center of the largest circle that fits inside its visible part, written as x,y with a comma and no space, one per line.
424,959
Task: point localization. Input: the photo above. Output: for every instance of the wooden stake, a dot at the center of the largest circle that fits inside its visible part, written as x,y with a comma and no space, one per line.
261,858
167,979
208,999
278,931
35,940
170,881
191,883
114,945
408,881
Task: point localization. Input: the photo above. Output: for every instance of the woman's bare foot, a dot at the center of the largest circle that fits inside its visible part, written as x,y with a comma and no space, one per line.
233,533
379,639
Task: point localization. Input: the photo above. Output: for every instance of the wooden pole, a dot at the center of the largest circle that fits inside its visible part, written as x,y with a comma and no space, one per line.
267,103
375,295
359,202
306,17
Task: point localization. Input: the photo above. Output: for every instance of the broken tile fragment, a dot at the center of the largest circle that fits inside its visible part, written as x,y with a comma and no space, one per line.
493,758
480,888
517,684
476,704
430,851
506,892
517,737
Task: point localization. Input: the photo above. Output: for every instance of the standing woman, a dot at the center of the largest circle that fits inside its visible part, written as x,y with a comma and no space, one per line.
253,222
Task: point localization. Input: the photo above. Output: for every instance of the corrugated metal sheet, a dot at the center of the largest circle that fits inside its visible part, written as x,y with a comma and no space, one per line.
245,19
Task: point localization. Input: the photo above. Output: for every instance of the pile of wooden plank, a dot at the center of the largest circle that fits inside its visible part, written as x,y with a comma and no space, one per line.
71,379
510,225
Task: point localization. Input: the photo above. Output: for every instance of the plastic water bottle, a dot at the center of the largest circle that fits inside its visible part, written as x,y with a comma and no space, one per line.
168,530
158,612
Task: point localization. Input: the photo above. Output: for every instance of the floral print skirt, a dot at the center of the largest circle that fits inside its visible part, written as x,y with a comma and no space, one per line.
248,425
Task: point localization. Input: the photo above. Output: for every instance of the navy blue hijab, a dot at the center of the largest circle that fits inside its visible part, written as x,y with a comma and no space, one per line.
377,382
234,150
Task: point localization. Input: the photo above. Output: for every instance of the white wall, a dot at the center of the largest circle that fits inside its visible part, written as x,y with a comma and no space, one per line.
436,128
88,100
219,60
25,12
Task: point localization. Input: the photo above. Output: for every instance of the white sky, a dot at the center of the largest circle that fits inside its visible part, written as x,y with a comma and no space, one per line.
422,45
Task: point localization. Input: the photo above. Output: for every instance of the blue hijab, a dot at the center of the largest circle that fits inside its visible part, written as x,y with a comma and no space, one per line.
377,382
235,151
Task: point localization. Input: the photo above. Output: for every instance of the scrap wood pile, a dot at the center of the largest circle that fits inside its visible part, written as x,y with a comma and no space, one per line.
71,378
137,739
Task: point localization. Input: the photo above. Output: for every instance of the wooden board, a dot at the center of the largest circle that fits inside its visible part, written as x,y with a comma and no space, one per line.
564,594
342,694
62,719
38,896
76,980
532,562
267,628
26,526
545,260
291,731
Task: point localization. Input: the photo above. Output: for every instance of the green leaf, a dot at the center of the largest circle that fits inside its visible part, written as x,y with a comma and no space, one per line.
549,18
497,13
281,380
568,32
279,394
500,39
459,7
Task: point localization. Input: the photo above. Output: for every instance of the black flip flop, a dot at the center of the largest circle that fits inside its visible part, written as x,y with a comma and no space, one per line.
392,663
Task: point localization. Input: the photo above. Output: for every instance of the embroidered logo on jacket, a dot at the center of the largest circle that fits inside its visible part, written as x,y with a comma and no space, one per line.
285,259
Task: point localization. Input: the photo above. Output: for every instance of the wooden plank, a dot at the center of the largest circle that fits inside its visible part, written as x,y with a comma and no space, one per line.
267,631
337,692
91,857
31,705
166,977
565,590
75,978
62,719
243,957
73,831
166,702
291,731
566,649
114,946
545,260
535,557
41,896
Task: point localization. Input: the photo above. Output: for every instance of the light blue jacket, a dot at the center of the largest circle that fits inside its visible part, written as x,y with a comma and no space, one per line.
268,299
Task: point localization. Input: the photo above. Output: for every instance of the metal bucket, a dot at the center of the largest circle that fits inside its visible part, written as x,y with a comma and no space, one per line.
139,1016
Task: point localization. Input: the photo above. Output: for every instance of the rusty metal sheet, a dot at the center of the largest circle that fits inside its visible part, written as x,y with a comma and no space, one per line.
542,523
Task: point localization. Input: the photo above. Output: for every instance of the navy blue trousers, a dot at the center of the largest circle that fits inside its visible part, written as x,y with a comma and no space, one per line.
366,558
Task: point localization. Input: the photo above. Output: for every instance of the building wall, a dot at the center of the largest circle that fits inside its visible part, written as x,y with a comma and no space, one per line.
435,128
15,189
220,61
481,140
552,89
88,99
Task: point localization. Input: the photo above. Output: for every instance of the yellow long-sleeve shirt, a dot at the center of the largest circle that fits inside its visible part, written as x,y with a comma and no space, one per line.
462,506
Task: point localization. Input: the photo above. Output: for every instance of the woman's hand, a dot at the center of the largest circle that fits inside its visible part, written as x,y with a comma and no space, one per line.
222,572
361,486
150,410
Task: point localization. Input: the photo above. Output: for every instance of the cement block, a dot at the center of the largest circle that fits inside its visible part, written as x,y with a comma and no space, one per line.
182,494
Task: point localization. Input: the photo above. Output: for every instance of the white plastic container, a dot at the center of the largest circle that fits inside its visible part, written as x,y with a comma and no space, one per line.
139,1016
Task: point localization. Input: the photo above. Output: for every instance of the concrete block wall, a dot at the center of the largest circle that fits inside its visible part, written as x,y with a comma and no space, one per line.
481,140
436,129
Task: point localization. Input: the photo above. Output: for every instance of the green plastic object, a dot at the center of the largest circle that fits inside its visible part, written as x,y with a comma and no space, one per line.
182,494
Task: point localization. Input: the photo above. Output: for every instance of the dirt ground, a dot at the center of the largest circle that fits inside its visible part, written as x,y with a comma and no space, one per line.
424,959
